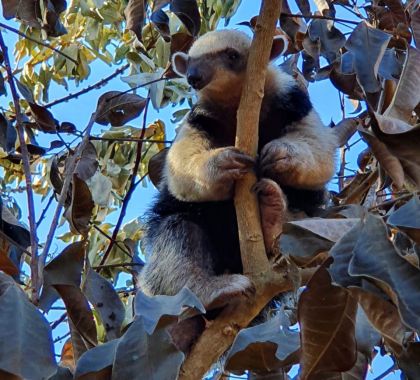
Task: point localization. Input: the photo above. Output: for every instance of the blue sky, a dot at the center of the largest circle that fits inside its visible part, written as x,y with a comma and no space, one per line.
323,95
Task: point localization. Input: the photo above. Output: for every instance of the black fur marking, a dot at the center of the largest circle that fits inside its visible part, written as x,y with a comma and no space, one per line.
278,112
216,219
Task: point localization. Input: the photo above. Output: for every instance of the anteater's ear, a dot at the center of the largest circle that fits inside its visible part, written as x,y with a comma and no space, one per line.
179,63
280,44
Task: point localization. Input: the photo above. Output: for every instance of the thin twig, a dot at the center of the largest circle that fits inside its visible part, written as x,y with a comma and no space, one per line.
129,139
59,320
44,211
94,86
116,265
35,284
59,338
116,242
37,42
321,18
387,372
131,187
392,201
137,87
73,160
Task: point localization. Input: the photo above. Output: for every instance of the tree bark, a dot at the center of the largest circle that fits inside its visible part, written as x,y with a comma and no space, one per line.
254,258
221,332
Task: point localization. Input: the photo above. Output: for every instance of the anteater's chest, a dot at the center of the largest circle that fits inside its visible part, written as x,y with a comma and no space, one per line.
277,117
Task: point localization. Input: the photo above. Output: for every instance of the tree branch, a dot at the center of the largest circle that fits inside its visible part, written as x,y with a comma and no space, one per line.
131,187
254,258
27,171
63,195
268,283
13,30
320,17
94,86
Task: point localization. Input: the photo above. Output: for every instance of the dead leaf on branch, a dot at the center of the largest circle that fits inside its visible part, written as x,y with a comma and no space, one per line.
382,314
407,95
134,15
375,257
407,219
81,207
117,108
395,145
326,316
364,39
264,348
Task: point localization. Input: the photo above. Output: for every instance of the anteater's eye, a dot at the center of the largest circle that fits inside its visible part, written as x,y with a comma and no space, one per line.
233,55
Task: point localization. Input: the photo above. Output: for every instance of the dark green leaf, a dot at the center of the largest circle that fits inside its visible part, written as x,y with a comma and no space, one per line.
161,310
187,12
96,359
25,336
142,356
102,295
161,21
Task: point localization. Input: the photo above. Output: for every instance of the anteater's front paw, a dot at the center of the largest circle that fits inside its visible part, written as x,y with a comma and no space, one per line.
277,159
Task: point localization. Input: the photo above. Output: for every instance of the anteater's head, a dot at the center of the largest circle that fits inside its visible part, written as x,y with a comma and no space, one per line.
216,63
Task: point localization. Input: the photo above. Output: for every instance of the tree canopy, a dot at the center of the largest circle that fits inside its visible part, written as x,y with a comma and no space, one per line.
350,277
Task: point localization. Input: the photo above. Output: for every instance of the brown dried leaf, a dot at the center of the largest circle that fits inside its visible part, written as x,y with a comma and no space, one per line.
407,94
415,25
383,315
67,356
326,315
134,15
155,167
375,257
368,47
81,207
117,108
389,162
43,118
79,312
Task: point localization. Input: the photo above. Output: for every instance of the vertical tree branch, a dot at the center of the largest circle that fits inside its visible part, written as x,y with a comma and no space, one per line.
131,187
27,171
73,160
253,255
222,331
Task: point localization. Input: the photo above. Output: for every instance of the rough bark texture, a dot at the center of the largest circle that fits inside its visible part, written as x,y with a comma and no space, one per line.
220,334
253,255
